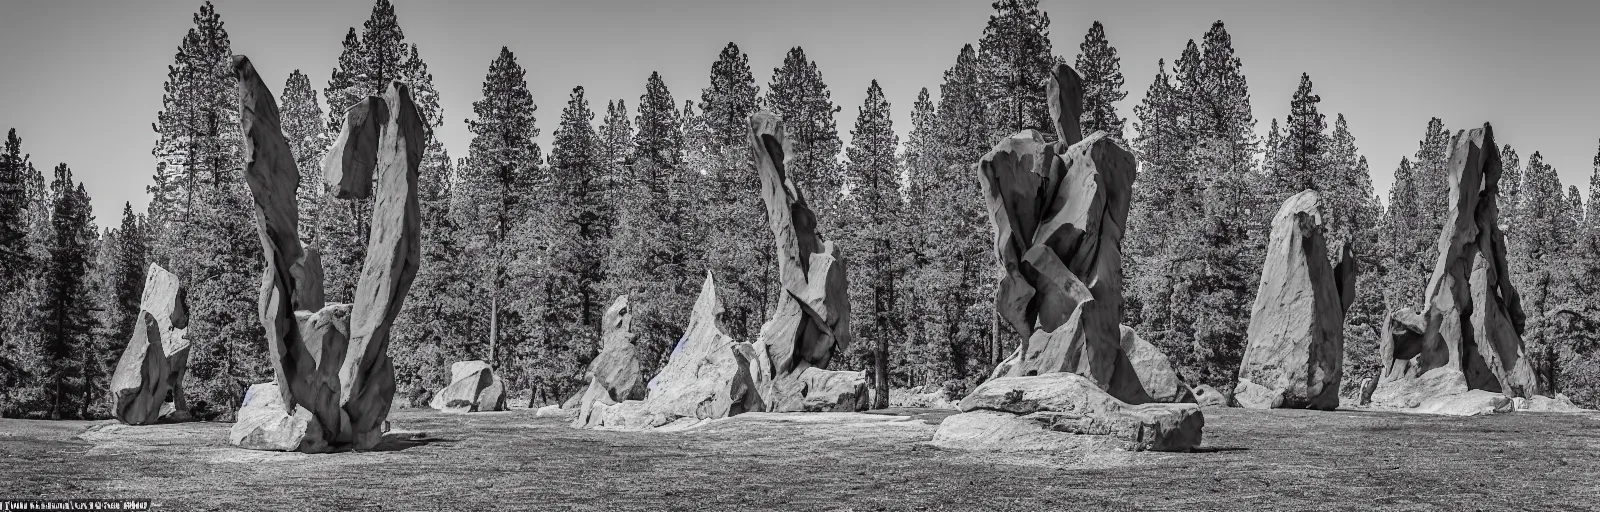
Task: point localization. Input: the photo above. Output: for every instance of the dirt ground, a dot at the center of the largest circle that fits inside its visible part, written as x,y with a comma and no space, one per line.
1251,460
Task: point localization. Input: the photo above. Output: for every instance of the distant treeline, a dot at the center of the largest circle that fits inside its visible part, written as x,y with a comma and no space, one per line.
523,249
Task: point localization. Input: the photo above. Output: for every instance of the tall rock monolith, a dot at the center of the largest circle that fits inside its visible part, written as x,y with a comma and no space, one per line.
153,365
1295,355
330,362
811,322
1059,211
1468,334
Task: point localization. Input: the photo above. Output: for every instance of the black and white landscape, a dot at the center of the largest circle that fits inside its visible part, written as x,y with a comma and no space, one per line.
1007,281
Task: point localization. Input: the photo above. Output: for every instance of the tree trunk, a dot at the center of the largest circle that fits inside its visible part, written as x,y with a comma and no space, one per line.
494,325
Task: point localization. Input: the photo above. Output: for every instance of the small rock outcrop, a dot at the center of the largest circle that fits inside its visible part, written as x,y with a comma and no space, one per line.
1059,211
1295,355
708,376
812,320
615,375
1468,334
153,365
473,388
330,362
1154,369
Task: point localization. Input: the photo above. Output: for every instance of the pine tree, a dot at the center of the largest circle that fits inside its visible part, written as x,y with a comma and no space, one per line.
303,127
22,358
616,149
655,255
1300,158
797,93
1538,256
739,246
577,236
1196,232
869,236
64,316
14,260
129,262
202,220
498,182
1015,59
1101,70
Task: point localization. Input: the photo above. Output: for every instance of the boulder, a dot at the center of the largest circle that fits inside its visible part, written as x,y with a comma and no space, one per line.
473,388
1208,396
1154,369
332,359
1061,411
153,365
708,376
615,373
1295,355
1059,211
811,322
263,424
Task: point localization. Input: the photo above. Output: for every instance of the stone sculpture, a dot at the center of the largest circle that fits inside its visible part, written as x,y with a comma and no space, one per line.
615,373
155,361
708,376
812,319
473,388
1468,334
330,362
1295,355
1059,211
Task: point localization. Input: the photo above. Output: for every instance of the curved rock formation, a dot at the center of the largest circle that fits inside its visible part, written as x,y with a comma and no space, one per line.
615,374
155,361
473,388
1468,335
1059,211
1295,356
812,320
332,361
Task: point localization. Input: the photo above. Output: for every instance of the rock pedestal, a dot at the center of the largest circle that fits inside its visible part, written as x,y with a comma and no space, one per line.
473,388
331,361
1295,356
1468,334
615,374
812,319
155,361
1059,211
708,376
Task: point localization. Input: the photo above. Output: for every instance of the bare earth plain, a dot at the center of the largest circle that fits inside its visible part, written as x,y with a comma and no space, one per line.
1250,460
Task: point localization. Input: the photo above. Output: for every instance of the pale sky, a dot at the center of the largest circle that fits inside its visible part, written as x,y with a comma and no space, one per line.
81,80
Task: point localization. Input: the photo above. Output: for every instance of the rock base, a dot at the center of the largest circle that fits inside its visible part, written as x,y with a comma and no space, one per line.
1065,411
262,424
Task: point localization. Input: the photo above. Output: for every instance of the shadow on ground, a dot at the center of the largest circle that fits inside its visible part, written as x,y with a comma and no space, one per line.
1251,460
